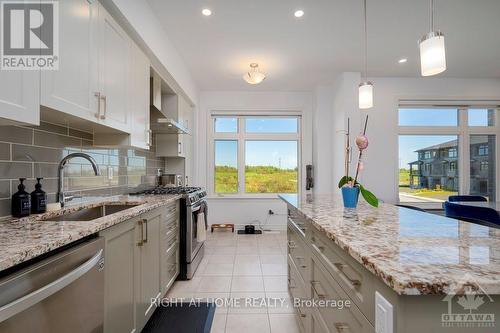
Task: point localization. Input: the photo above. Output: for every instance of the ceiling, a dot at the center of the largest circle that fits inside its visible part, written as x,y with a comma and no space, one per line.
298,54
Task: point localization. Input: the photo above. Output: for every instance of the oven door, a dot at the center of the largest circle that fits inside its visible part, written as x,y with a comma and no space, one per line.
193,245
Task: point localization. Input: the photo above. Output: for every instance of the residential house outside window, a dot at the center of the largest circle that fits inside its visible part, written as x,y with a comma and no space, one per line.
445,151
255,154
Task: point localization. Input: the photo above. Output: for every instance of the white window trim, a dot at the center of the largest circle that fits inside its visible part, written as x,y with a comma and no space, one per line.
463,131
241,137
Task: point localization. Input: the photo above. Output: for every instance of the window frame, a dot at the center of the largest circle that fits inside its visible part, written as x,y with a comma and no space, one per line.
241,137
463,132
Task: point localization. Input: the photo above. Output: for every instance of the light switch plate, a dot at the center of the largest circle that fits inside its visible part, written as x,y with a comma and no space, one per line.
383,314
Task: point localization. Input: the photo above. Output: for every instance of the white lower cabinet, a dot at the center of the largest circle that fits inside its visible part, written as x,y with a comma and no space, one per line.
148,267
134,268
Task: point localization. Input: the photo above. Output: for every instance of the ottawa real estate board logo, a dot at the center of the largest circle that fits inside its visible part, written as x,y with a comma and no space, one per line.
468,306
30,35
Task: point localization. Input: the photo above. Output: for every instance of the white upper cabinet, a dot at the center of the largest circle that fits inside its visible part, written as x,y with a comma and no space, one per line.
20,97
114,60
73,88
138,96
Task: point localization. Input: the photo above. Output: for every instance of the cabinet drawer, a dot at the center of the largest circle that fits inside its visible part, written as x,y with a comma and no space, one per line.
317,325
296,288
354,279
347,319
297,251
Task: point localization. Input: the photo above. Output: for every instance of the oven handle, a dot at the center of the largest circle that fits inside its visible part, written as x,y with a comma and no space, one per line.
39,295
197,207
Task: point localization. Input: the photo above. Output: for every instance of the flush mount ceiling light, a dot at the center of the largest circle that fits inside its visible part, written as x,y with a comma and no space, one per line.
206,12
365,88
254,76
432,50
402,60
298,13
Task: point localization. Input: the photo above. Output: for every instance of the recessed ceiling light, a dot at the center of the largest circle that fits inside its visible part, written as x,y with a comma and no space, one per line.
402,60
299,13
206,12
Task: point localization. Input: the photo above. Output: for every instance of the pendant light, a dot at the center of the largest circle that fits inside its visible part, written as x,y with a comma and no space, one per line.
254,76
432,50
365,87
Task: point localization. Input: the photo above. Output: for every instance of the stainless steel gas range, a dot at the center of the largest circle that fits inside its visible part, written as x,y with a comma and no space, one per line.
192,204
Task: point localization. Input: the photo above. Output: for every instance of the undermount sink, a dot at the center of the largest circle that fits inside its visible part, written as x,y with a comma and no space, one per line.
89,214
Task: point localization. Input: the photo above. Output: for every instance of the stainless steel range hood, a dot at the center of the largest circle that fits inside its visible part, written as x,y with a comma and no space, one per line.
162,125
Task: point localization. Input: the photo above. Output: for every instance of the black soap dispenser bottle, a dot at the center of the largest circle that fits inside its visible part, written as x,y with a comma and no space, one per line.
21,201
38,199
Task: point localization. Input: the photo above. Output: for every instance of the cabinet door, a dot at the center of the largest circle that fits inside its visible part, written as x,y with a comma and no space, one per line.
149,269
20,97
119,277
139,99
114,60
72,89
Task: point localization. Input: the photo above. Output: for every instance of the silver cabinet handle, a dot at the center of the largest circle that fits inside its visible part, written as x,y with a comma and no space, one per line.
149,138
313,285
141,242
98,95
302,259
39,295
146,224
341,267
180,147
341,327
105,100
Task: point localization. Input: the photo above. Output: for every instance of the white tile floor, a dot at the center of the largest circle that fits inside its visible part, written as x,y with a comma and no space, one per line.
241,267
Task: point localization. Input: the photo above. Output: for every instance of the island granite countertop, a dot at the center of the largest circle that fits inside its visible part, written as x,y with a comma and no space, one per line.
414,253
29,237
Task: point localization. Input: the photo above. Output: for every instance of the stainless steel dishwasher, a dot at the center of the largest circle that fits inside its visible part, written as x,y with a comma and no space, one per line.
61,293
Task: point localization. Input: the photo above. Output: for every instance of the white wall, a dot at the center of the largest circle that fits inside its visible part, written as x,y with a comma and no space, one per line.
381,159
243,211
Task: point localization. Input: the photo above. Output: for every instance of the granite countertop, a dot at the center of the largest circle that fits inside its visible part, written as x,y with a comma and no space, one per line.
414,253
28,237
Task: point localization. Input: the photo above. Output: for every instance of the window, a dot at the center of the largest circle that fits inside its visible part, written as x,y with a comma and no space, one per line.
446,151
483,150
226,125
255,154
226,166
271,166
428,117
481,117
482,178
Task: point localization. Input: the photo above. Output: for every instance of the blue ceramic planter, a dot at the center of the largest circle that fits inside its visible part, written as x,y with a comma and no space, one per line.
350,196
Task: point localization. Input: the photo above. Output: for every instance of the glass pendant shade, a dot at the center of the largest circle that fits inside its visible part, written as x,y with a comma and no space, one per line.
254,76
432,54
365,95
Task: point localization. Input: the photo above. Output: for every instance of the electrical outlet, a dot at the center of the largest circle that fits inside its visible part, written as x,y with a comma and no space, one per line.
110,173
383,314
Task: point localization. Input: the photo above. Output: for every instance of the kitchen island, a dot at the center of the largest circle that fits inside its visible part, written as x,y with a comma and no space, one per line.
403,270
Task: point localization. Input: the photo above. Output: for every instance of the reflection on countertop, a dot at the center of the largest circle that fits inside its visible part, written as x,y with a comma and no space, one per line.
26,238
412,252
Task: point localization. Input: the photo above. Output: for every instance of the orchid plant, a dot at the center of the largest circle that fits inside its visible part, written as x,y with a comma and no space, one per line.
348,181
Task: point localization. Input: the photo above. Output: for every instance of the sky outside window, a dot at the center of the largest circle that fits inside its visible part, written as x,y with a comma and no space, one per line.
226,125
271,125
428,117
